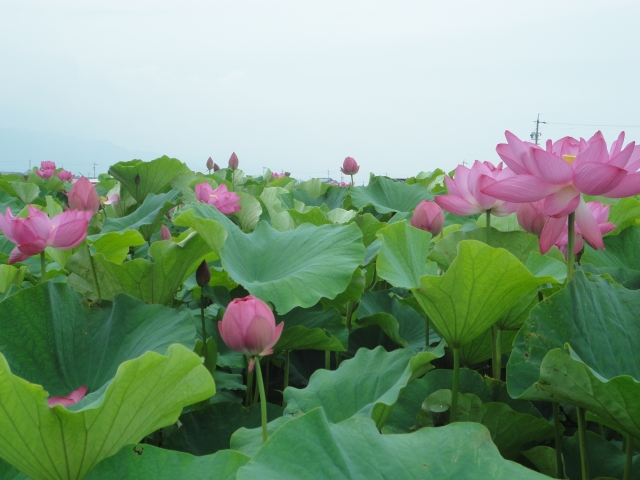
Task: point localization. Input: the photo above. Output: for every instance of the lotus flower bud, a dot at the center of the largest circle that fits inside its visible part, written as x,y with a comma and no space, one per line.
137,179
65,175
83,196
233,161
216,167
209,163
165,234
202,274
48,165
249,327
428,216
350,166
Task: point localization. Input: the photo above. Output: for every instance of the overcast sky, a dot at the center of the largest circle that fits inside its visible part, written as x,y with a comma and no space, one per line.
402,86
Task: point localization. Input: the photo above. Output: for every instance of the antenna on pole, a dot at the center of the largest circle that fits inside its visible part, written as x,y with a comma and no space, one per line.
94,170
535,136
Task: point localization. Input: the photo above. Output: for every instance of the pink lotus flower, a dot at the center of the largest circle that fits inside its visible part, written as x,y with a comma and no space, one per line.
233,161
350,166
165,234
83,196
65,175
428,216
563,171
36,232
277,175
600,213
45,173
225,201
111,199
531,217
249,327
465,196
73,397
48,165
209,163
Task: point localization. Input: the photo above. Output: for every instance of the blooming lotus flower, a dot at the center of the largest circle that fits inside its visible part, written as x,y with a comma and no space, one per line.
65,175
45,173
73,397
465,196
48,165
165,234
233,161
224,200
559,178
209,163
36,232
111,199
428,216
600,213
277,175
350,166
249,327
84,196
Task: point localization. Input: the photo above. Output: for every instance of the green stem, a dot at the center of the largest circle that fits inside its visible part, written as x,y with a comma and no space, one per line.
496,361
570,244
349,314
453,414
558,431
628,464
204,335
327,360
263,401
488,226
43,267
93,271
249,397
427,328
286,376
582,435
352,184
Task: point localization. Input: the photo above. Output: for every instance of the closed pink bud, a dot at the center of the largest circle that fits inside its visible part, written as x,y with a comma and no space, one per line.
428,216
65,175
209,163
249,327
165,234
233,161
350,166
83,196
216,167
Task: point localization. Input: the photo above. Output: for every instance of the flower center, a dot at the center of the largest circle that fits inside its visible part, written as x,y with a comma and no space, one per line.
569,158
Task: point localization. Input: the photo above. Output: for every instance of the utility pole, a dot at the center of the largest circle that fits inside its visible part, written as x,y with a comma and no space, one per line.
535,136
94,170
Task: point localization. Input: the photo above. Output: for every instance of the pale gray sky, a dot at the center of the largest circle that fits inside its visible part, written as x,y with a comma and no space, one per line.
401,86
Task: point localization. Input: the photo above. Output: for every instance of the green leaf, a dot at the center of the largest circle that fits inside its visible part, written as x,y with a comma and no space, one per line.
27,192
621,251
481,285
502,224
154,177
208,222
115,245
250,211
624,213
10,275
402,258
388,195
367,385
598,323
543,265
461,451
146,394
312,328
479,349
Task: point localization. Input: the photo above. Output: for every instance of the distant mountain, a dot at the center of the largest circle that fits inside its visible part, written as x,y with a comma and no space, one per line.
18,146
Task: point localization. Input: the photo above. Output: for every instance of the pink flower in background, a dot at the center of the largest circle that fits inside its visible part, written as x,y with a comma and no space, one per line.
277,175
65,175
343,184
84,196
36,232
165,234
111,199
600,213
225,201
249,327
73,397
350,166
531,218
209,163
465,190
233,161
45,173
563,171
48,165
428,216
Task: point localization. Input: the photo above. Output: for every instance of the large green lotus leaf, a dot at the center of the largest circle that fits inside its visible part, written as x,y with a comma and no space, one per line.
314,216
27,192
388,195
208,222
481,285
310,447
629,279
402,258
520,244
399,321
314,187
621,251
209,429
333,197
370,226
146,462
278,201
115,245
293,268
510,430
7,200
503,224
52,337
599,369
312,328
624,213
367,385
153,282
250,211
353,292
9,472
480,348
544,265
152,177
146,394
519,312
10,275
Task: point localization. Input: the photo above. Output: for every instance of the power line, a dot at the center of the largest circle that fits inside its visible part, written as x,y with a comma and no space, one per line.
592,125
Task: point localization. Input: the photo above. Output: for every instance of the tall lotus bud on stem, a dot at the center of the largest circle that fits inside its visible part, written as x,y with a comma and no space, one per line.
428,216
137,179
83,196
350,167
233,161
165,234
216,167
209,164
203,276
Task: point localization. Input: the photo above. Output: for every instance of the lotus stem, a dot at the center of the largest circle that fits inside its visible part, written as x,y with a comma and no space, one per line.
249,387
349,314
204,335
488,226
582,436
93,271
327,359
427,328
556,424
496,361
453,414
43,267
263,401
352,184
571,256
628,464
286,376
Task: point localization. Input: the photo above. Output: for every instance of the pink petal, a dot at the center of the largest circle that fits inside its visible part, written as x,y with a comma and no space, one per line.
6,225
231,335
78,394
588,226
596,152
616,146
203,190
36,226
561,203
70,229
505,153
258,335
17,256
621,159
33,248
554,170
457,205
274,339
550,233
520,153
628,187
597,178
504,209
478,181
521,189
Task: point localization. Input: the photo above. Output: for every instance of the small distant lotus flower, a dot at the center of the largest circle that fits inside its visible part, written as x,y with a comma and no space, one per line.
84,196
221,198
465,196
600,213
428,216
36,232
350,166
209,163
165,234
48,165
73,397
111,199
45,173
277,175
233,161
342,184
249,327
65,175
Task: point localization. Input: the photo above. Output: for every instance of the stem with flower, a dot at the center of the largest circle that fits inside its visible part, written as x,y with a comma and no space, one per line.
263,399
